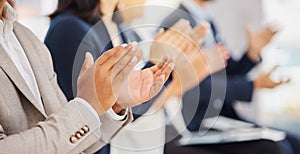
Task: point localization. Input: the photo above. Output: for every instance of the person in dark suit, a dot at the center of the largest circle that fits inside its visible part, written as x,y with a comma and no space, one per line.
79,26
238,86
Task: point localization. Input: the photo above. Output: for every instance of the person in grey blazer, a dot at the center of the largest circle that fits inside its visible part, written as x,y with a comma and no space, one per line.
35,116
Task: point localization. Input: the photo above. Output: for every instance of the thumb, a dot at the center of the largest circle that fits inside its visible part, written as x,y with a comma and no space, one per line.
88,61
249,31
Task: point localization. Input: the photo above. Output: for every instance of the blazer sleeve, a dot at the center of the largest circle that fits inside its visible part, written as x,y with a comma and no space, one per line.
233,88
55,134
240,67
239,88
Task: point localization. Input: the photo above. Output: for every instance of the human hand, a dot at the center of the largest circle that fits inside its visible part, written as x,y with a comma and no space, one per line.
170,42
197,34
177,39
99,83
257,41
194,66
216,58
142,85
264,81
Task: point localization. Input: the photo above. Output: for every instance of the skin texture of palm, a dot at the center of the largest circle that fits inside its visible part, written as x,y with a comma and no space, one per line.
142,85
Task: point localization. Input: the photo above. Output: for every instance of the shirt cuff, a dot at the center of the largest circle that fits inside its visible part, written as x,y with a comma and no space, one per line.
115,116
87,105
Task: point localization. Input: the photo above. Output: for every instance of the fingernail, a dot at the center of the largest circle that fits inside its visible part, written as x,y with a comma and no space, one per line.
124,45
87,56
134,43
134,60
134,46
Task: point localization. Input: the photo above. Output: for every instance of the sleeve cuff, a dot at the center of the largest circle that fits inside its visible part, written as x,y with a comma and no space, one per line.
87,105
115,116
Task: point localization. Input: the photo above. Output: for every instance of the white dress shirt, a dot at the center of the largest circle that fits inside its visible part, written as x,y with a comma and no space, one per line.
15,51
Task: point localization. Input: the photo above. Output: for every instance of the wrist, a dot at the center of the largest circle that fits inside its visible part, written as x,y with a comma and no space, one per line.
118,109
257,84
253,54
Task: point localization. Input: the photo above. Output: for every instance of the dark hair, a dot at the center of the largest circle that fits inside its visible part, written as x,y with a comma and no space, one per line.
87,10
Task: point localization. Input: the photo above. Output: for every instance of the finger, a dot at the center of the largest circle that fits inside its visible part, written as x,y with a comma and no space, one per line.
270,30
249,31
224,52
156,67
190,48
185,45
287,81
199,33
135,51
111,56
182,25
278,84
166,69
122,76
171,36
166,35
160,33
88,62
122,72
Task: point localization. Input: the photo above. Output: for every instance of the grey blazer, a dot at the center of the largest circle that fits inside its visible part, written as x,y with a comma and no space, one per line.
26,128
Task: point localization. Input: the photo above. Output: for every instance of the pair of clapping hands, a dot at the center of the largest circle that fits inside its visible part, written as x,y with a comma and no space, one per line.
111,82
193,63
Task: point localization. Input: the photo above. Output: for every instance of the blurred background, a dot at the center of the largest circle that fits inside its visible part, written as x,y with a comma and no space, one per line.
279,108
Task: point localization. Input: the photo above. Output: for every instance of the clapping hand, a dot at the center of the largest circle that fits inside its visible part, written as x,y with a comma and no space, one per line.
257,41
195,65
99,82
175,40
264,80
143,85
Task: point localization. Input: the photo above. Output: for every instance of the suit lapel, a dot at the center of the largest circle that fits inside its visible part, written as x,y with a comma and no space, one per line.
50,100
11,70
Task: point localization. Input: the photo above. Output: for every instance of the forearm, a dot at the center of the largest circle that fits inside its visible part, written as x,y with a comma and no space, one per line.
239,88
241,67
58,133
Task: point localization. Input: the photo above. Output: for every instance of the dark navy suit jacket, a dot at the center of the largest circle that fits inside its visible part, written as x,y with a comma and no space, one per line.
238,87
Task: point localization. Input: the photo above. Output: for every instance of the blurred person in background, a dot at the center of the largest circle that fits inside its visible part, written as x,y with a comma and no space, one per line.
239,87
190,69
36,117
79,17
80,36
